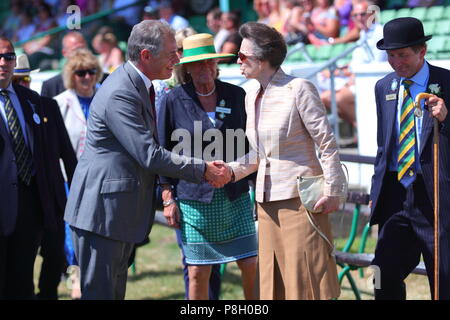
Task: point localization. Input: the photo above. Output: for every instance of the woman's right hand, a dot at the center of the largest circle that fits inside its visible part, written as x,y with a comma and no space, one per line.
172,215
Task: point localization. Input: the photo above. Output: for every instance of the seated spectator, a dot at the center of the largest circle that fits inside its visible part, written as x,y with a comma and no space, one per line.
230,21
288,7
12,21
297,25
105,43
344,8
41,49
262,10
124,20
150,12
26,27
167,13
275,18
344,80
324,23
213,20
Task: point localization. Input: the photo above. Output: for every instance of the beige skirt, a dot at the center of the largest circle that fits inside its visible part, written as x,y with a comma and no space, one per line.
294,260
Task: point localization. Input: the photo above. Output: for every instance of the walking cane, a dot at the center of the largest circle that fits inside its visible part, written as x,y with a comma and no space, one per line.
436,192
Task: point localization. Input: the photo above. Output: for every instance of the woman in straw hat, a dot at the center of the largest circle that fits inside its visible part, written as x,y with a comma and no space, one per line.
217,225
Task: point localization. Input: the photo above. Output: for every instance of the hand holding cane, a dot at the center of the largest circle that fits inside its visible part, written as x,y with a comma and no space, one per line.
418,113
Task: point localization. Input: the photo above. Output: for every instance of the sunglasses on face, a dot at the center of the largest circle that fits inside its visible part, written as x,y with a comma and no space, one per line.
82,73
9,56
243,56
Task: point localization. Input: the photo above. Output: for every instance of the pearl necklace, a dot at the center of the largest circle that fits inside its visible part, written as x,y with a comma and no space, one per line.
206,94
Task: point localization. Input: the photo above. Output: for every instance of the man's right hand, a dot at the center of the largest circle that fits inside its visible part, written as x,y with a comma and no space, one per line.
217,174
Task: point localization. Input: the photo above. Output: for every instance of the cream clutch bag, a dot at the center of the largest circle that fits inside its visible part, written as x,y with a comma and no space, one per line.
310,190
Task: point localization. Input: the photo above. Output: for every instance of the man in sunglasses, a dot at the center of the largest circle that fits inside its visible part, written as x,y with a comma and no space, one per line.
27,204
59,147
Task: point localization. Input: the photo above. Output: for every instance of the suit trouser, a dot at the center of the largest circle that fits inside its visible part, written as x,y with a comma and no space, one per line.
18,251
406,232
53,263
103,265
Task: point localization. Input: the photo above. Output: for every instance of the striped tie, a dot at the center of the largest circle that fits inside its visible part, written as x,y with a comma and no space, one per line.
407,139
21,151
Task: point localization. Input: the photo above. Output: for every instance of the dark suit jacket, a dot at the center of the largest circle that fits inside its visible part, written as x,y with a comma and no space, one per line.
386,114
179,109
9,195
55,85
59,147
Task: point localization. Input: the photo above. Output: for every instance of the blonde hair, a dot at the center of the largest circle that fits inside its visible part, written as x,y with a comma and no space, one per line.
179,71
80,59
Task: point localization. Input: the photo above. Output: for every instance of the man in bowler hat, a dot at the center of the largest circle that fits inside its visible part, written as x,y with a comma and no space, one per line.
402,185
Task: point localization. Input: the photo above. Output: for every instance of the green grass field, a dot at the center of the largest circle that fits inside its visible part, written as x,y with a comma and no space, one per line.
159,274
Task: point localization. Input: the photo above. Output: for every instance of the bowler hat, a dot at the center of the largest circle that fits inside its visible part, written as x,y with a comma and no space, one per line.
401,33
200,47
23,66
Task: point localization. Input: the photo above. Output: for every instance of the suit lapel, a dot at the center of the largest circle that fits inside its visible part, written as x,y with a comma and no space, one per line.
390,109
145,97
251,124
28,112
427,122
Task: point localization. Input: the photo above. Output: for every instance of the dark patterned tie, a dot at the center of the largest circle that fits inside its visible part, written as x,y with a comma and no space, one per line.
407,139
21,151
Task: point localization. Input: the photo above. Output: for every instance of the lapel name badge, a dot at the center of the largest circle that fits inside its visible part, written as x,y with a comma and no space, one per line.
390,97
223,110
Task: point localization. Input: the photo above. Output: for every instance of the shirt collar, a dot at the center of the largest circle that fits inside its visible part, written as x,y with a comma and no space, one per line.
147,81
421,77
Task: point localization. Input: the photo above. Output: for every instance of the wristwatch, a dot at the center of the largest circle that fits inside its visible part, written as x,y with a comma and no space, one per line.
168,202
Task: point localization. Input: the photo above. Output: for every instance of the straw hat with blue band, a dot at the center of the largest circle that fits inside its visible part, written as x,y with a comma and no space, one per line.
23,66
200,47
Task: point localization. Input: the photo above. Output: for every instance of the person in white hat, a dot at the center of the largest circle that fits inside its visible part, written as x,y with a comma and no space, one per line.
22,71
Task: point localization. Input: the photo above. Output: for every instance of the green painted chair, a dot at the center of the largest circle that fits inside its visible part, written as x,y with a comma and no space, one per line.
418,13
442,27
323,53
434,13
403,12
387,15
428,27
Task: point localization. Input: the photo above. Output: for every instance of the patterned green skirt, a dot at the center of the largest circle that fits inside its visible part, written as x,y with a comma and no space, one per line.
218,232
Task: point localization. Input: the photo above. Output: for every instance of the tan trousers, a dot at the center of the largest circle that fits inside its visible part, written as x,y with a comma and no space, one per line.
294,261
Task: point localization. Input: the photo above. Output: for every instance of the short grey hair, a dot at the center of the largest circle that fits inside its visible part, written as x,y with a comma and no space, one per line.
147,34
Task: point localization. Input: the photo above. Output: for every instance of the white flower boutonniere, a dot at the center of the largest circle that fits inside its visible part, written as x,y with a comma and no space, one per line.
435,89
394,85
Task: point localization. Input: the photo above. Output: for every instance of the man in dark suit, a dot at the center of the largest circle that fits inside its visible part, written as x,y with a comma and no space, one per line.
55,85
402,185
59,147
24,189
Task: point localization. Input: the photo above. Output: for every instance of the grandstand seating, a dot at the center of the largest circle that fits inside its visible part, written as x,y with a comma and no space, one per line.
436,22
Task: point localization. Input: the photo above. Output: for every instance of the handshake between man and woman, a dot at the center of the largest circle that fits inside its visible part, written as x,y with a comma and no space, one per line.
218,173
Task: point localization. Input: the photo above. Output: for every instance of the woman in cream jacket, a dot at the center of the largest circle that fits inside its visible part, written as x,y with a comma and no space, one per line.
286,120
